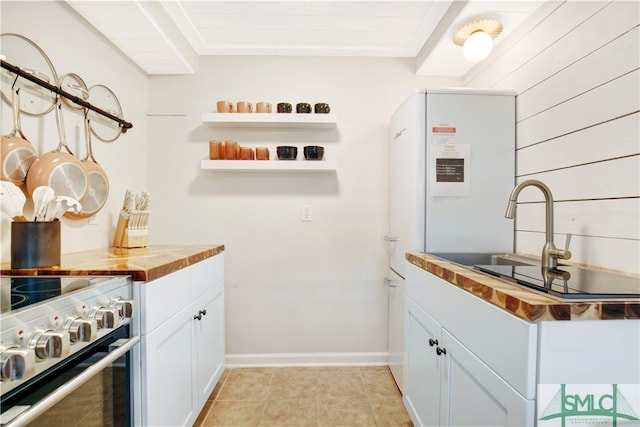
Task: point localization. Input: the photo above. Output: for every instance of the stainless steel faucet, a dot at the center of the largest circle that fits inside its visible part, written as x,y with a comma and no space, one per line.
550,253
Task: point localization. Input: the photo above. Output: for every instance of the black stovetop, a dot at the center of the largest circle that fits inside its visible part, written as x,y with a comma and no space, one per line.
22,291
570,282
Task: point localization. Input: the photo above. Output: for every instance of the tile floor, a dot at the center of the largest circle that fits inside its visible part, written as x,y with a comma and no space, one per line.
305,396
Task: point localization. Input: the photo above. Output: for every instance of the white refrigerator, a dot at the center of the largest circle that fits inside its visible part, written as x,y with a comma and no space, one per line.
452,168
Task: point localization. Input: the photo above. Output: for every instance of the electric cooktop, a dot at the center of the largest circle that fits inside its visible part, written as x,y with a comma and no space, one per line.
568,282
22,291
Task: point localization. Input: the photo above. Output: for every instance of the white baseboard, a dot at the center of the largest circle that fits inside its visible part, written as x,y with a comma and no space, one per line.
306,359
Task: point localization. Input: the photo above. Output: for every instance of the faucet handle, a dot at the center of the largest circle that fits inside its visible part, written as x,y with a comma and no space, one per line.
562,253
566,242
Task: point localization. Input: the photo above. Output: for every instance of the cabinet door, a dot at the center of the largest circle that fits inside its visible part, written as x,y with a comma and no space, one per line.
167,372
422,389
477,395
210,342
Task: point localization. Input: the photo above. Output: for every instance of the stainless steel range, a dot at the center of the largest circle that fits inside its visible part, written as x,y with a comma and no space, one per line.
59,333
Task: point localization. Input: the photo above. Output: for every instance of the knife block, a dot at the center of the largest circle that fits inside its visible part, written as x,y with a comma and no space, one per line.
127,236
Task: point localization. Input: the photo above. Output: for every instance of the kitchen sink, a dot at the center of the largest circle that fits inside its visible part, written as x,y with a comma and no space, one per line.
565,283
469,259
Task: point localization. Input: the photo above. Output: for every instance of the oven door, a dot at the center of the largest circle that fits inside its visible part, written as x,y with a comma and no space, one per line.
91,388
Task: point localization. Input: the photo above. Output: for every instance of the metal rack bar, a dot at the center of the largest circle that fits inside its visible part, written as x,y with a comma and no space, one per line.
29,76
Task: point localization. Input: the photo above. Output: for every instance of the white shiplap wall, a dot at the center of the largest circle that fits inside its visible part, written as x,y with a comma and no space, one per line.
576,68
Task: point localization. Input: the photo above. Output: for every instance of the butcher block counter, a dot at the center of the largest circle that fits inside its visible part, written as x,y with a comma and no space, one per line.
142,264
519,301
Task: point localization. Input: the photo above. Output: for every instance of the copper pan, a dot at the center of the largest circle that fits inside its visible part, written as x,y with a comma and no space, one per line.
98,182
59,169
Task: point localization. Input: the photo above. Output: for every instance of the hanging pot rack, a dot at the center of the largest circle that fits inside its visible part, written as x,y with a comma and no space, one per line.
31,77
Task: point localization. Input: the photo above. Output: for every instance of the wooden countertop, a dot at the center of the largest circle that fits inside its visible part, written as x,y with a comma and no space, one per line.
143,264
526,304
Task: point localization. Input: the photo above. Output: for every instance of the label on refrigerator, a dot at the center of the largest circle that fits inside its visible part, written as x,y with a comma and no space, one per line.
449,170
444,134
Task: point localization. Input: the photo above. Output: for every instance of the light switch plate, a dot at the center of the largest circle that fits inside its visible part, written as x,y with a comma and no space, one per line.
306,212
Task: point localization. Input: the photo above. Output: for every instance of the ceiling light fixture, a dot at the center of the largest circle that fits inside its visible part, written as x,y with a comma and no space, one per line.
476,38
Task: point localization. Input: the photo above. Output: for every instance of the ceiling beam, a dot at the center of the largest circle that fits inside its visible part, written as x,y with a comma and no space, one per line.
438,33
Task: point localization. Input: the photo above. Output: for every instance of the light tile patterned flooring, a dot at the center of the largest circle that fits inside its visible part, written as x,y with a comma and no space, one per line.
305,396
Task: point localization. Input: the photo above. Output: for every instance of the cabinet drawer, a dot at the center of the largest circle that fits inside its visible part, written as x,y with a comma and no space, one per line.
507,344
162,298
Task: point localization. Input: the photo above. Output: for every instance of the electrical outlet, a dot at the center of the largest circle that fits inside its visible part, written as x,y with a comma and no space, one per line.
306,213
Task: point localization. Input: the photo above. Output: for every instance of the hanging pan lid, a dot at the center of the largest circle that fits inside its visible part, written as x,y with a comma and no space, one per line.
29,57
102,127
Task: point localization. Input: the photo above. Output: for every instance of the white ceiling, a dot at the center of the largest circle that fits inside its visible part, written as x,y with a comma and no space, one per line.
168,37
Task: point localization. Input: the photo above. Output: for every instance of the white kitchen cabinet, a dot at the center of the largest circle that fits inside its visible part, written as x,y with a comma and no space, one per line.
209,334
493,365
182,342
447,385
477,396
168,372
424,367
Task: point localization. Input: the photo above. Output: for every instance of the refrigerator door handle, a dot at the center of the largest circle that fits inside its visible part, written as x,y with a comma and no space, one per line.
391,238
388,281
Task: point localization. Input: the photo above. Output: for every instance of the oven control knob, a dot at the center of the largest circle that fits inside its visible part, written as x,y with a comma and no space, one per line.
16,363
81,329
49,344
108,318
124,306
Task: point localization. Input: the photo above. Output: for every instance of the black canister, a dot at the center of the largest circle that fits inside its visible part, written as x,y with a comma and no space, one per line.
35,244
284,107
303,107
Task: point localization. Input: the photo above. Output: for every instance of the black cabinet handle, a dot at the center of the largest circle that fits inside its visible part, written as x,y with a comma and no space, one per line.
200,314
441,350
433,342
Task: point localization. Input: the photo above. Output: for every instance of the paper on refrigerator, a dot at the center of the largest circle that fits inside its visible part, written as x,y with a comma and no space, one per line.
449,170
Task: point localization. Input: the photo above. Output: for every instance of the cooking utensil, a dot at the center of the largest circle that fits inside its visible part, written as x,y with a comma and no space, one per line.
18,155
41,197
98,182
50,211
23,52
59,170
12,200
66,204
103,127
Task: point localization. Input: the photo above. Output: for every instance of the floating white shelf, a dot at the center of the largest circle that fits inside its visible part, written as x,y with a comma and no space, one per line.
271,120
269,165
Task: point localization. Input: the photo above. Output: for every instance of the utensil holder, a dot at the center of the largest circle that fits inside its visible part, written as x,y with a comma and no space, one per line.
35,244
132,230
